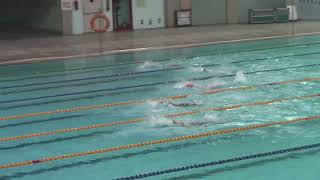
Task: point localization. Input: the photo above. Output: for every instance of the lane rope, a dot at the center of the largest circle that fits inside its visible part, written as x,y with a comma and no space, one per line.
139,120
176,97
83,108
155,142
221,162
151,84
91,97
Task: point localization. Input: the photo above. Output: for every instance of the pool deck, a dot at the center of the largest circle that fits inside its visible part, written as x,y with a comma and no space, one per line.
27,49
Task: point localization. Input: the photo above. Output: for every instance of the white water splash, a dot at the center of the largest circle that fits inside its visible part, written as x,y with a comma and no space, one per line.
215,85
240,77
150,64
158,120
198,69
211,118
153,103
182,85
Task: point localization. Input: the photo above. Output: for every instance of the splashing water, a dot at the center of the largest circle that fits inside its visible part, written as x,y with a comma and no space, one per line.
216,84
240,77
184,85
198,69
211,118
158,120
153,103
222,70
154,107
149,64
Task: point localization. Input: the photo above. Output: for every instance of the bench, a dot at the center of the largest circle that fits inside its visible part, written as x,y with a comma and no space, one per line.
262,16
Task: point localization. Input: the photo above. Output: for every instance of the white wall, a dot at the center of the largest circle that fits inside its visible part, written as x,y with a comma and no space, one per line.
150,16
78,19
108,13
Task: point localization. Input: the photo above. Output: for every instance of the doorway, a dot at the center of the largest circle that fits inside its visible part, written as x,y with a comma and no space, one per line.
30,19
122,15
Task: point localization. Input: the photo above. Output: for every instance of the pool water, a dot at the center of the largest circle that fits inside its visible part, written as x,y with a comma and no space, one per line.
42,97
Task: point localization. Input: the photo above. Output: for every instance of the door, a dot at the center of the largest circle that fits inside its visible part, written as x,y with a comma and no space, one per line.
122,15
208,12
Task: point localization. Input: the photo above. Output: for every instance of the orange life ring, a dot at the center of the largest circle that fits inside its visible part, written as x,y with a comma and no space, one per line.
94,25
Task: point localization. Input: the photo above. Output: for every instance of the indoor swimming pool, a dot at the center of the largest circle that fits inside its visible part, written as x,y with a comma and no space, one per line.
242,110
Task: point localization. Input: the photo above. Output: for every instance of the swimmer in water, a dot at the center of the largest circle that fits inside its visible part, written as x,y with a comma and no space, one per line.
204,69
150,64
189,85
206,120
183,104
194,123
216,85
174,65
199,68
209,87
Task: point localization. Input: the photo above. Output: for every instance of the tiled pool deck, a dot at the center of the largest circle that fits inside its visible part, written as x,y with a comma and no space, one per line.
15,50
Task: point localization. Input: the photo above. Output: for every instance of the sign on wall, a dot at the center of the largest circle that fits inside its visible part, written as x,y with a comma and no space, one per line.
183,17
66,5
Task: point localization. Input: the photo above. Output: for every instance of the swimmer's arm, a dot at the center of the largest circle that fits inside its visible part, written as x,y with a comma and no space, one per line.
183,104
173,104
180,123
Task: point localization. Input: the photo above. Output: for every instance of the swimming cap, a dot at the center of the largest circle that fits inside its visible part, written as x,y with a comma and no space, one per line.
189,85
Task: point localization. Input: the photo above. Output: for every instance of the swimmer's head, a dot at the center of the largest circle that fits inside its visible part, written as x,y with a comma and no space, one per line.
189,85
174,65
203,69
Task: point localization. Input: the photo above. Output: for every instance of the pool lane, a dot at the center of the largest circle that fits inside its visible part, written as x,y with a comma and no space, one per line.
163,98
151,84
164,69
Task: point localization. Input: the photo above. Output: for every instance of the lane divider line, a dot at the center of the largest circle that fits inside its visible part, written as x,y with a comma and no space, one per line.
216,163
91,97
72,71
91,78
83,108
182,96
138,120
80,84
155,142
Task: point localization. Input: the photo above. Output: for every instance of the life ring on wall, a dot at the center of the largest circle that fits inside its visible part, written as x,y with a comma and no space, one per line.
94,24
